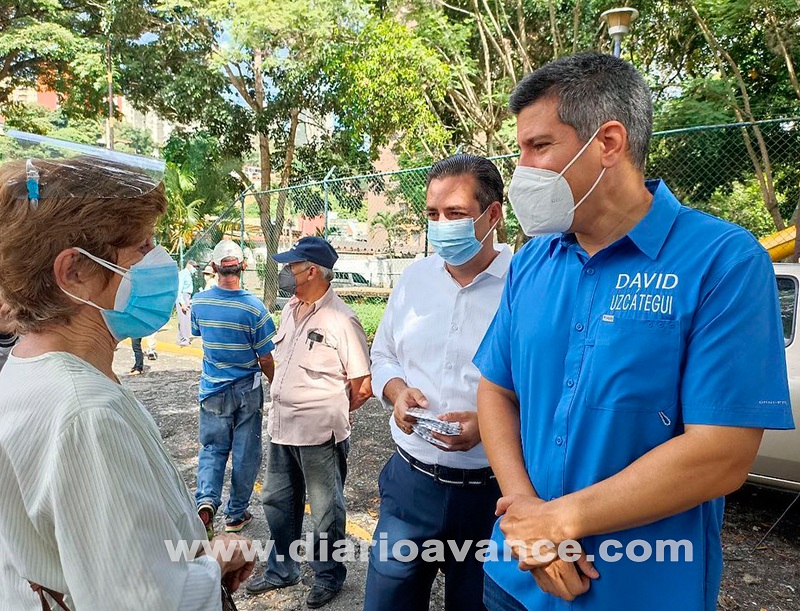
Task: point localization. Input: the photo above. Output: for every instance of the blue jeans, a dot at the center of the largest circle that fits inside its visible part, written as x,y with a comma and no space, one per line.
497,599
293,471
138,356
230,423
416,508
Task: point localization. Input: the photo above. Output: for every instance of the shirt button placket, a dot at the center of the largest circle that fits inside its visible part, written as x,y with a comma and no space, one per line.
587,283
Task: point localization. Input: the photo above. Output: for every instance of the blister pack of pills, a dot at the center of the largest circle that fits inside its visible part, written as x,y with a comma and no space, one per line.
430,421
427,435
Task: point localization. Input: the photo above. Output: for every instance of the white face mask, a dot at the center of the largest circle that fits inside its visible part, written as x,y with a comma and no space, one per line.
542,199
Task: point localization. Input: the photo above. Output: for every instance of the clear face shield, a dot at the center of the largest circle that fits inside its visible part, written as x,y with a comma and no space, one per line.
39,172
57,169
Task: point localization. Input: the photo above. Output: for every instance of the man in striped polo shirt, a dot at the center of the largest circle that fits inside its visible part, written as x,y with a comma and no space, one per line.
237,333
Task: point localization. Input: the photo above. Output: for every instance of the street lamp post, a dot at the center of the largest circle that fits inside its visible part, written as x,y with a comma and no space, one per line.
619,24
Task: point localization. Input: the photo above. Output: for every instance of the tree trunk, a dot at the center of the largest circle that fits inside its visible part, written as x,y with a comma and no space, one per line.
272,231
520,240
502,230
762,166
787,58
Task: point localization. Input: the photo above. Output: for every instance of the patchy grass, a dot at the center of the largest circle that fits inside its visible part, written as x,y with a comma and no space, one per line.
368,312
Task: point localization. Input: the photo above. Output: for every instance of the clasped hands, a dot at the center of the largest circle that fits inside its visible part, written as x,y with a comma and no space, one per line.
534,531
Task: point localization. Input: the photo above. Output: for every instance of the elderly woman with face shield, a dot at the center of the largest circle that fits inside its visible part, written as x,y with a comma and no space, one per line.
91,502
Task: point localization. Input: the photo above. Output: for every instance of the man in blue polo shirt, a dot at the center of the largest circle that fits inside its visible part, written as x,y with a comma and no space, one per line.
237,332
635,359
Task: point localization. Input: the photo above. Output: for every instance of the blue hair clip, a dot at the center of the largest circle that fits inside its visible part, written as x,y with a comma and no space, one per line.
33,184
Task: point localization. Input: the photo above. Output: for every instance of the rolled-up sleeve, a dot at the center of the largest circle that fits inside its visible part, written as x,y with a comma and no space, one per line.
112,530
353,350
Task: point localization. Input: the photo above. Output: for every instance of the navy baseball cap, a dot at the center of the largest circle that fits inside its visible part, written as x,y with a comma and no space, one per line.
312,249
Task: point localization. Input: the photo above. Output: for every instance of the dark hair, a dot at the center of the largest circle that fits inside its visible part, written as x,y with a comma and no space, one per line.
591,89
230,270
486,174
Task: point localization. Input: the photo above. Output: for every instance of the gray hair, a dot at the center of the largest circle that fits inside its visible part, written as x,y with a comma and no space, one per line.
326,272
591,89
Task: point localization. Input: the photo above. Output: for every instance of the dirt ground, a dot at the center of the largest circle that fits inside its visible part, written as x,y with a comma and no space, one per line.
764,578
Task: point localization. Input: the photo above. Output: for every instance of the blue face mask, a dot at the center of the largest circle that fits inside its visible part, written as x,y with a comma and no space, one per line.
455,241
145,297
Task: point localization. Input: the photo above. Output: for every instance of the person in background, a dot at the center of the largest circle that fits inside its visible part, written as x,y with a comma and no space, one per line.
138,357
629,373
209,277
90,495
321,377
422,357
149,346
184,302
237,332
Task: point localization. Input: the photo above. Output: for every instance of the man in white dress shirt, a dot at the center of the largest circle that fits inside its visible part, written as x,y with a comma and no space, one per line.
422,357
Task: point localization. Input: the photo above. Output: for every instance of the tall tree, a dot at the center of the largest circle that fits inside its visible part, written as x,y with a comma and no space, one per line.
283,75
53,44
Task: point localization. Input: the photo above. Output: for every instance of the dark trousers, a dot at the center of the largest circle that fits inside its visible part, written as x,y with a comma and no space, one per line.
497,599
138,357
293,471
416,508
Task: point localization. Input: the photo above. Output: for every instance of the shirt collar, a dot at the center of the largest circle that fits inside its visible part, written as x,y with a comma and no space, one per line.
497,268
500,264
321,302
651,232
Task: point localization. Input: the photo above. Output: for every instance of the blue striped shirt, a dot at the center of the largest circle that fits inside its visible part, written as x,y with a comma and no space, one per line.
237,330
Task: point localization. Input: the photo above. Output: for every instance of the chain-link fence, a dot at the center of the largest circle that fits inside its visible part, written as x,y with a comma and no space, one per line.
746,173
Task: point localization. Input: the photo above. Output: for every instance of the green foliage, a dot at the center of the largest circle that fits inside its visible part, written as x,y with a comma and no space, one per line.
43,42
182,221
204,158
422,78
198,184
384,79
397,224
741,204
370,314
29,118
129,139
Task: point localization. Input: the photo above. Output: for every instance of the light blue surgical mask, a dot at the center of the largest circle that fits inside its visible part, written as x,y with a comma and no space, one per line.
455,241
145,297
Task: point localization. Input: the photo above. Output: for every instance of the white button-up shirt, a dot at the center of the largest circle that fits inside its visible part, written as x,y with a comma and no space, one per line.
428,335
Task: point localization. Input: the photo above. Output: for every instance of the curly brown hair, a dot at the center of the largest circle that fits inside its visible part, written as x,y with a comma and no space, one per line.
98,207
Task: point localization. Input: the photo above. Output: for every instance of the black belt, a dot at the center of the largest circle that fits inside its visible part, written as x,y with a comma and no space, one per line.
449,475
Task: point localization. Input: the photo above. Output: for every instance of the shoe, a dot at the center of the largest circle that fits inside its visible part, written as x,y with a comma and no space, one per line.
319,597
136,372
259,585
234,526
152,356
206,511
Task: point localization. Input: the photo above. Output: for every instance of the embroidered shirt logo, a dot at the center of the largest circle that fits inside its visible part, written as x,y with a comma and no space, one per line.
634,293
